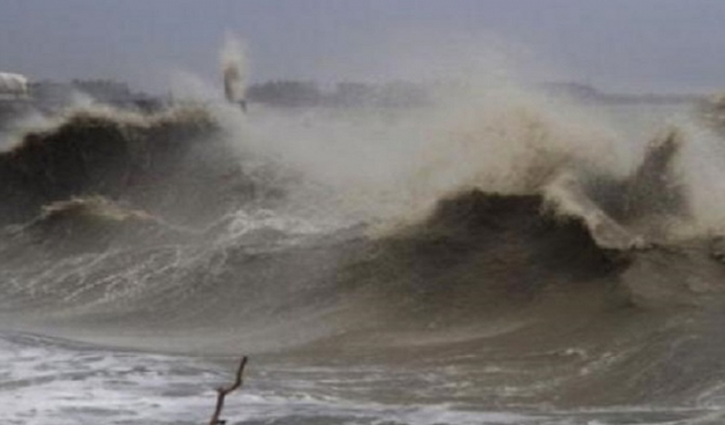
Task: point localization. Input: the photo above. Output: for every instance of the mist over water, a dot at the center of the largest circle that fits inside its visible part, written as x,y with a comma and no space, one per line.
495,256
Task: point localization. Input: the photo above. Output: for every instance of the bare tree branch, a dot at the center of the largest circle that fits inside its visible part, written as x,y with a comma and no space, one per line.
222,392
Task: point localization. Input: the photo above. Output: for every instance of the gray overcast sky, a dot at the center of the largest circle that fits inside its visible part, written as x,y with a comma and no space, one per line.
660,45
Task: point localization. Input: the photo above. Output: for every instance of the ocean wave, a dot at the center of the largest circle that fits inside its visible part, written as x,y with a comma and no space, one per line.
173,162
149,232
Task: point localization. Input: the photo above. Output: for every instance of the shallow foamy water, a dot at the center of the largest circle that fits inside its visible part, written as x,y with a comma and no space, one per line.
52,382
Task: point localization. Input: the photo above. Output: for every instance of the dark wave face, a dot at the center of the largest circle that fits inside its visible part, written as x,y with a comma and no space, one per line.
169,163
156,232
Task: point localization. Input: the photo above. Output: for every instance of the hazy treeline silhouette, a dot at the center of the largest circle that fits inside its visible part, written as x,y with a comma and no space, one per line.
404,94
309,93
52,95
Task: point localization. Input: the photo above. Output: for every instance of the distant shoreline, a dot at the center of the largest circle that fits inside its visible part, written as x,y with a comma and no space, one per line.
296,93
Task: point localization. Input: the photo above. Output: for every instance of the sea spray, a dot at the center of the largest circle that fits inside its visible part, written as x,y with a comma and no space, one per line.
235,71
505,277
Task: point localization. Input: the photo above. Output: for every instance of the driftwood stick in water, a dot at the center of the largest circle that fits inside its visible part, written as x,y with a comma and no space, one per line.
222,392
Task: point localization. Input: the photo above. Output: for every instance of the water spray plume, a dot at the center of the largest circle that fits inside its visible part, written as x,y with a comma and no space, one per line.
234,69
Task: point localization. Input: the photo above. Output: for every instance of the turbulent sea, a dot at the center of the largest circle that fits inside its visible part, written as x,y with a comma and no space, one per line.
507,259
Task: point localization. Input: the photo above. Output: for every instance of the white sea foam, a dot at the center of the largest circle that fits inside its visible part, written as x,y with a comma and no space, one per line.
51,382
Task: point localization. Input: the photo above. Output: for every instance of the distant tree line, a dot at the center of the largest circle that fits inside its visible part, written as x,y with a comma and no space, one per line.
308,93
586,93
50,95
291,93
298,93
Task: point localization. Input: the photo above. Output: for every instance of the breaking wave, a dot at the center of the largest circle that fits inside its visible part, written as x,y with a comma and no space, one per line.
176,232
